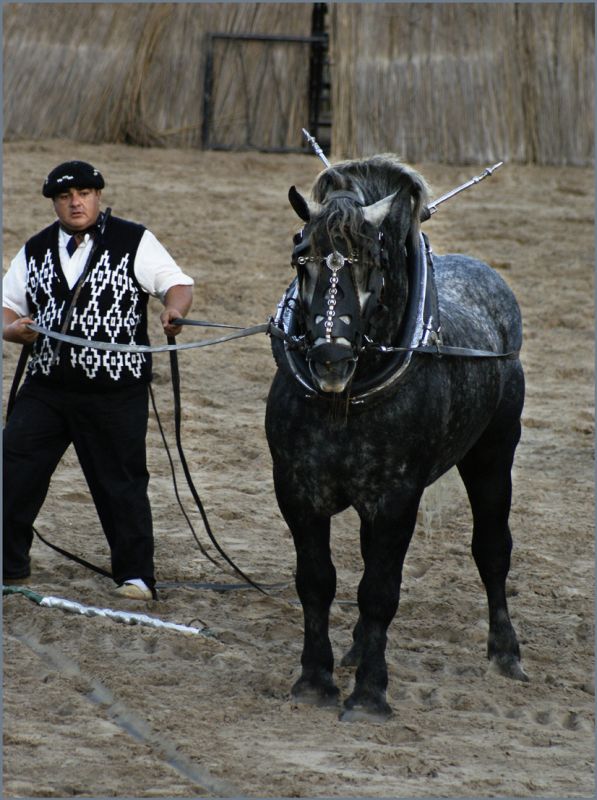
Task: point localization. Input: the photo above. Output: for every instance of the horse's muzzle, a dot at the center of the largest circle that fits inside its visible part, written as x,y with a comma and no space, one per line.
332,366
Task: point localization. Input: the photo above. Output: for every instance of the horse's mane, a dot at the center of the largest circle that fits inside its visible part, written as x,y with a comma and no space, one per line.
369,180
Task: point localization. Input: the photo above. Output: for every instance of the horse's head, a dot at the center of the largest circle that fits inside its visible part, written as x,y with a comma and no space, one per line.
350,259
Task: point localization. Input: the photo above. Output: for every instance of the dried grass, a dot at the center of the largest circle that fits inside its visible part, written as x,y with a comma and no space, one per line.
464,82
135,72
451,82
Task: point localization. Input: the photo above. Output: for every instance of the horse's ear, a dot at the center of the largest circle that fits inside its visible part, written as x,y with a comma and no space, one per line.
377,212
300,205
403,216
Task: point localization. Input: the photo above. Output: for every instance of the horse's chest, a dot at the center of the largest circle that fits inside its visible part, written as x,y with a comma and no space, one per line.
336,457
336,461
330,476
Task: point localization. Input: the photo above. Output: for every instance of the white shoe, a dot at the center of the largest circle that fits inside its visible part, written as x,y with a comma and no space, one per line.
134,589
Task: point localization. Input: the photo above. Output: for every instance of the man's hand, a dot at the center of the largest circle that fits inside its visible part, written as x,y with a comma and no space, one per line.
177,303
14,328
167,315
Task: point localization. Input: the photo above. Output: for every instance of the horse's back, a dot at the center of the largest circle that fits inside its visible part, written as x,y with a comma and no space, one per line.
477,307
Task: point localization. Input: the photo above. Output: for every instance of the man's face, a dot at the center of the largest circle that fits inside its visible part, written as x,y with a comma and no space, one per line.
77,209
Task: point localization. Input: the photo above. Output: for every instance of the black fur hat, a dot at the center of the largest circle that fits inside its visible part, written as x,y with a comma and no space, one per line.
79,174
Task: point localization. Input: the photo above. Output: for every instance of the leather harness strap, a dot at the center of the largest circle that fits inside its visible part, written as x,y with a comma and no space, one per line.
73,557
172,348
177,425
22,363
271,328
141,348
446,350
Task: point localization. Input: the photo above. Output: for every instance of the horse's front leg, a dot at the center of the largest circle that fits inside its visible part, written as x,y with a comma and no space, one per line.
316,588
385,537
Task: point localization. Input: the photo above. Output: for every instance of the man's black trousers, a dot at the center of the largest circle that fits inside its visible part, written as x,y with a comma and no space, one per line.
108,431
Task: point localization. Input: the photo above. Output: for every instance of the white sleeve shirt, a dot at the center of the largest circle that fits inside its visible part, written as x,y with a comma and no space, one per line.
154,268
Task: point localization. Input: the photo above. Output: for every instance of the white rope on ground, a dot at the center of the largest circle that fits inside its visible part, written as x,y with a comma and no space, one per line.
129,618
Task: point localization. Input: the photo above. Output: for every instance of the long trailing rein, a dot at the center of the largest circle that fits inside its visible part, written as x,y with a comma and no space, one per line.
437,348
270,328
164,348
177,425
171,348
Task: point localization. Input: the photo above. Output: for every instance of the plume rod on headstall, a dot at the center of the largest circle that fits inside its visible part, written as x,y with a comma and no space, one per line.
432,207
317,149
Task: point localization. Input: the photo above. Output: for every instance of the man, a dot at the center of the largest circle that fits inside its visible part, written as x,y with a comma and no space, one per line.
77,278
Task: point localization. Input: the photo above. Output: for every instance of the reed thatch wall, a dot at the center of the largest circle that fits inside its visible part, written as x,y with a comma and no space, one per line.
464,82
135,72
452,82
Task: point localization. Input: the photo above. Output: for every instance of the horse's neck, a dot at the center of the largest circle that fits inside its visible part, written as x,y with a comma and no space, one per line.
396,299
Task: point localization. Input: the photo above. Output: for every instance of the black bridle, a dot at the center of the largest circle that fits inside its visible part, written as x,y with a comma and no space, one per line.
420,330
363,341
334,310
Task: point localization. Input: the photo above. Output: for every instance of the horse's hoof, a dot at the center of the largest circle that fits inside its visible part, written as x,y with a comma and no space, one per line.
361,713
509,667
370,711
315,694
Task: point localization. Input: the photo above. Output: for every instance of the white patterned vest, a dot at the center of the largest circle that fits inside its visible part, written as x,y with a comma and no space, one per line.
111,307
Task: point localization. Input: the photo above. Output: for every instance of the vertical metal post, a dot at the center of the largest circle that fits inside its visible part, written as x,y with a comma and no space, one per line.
207,92
316,66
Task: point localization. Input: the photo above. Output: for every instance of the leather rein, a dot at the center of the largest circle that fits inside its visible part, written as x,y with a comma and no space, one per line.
274,328
171,347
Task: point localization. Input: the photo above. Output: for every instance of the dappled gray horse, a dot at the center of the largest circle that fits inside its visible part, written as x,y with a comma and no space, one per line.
393,366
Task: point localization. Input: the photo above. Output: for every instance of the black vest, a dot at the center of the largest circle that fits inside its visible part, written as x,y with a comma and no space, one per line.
111,307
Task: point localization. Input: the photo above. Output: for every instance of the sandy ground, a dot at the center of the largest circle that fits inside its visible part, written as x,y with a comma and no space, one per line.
97,708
